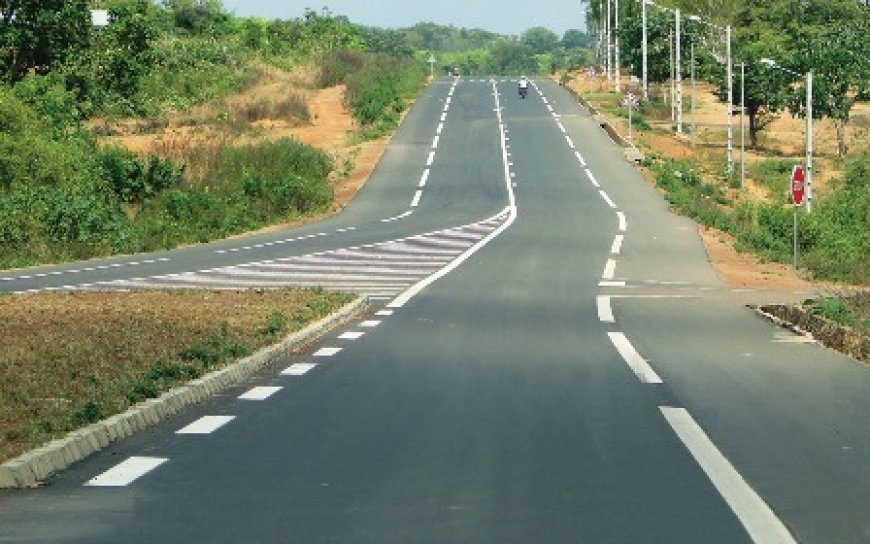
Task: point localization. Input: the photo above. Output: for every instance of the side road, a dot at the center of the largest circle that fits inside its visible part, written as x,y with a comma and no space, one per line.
34,467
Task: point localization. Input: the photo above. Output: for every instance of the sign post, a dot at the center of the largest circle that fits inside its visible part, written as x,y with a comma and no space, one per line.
432,62
797,198
631,102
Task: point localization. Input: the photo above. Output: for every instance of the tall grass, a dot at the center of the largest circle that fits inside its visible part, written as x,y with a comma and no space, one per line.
834,239
232,189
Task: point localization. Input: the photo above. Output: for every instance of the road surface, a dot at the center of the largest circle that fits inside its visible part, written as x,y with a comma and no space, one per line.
549,359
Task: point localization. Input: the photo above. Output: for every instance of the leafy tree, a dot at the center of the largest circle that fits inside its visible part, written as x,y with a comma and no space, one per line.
659,27
836,53
126,47
576,39
197,16
540,40
510,57
390,42
40,34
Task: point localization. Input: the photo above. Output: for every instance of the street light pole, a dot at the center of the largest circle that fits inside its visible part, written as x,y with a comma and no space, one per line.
742,124
616,22
609,42
679,72
644,51
809,135
671,53
694,126
730,77
809,168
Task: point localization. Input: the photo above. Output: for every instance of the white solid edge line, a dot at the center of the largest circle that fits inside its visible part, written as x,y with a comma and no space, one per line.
605,310
511,209
206,425
126,472
633,359
757,518
259,393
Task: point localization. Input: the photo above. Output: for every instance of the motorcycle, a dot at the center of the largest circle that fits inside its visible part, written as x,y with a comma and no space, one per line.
524,91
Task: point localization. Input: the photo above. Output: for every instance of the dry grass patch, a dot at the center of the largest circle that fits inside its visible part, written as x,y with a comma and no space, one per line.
69,359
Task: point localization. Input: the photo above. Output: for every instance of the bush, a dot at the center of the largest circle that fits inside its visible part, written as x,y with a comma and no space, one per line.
90,412
214,349
775,175
134,182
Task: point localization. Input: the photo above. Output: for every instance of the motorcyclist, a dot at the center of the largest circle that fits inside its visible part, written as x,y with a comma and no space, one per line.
524,86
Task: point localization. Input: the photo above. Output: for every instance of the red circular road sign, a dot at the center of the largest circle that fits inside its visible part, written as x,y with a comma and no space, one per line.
797,185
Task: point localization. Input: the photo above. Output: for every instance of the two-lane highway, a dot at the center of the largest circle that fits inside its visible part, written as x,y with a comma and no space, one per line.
557,364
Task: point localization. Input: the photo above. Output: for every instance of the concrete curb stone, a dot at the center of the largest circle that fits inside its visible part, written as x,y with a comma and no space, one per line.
31,468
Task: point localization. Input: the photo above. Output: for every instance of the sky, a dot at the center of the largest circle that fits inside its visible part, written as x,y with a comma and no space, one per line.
501,16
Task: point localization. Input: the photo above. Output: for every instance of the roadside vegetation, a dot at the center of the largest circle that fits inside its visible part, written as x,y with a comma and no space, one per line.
834,239
68,360
67,192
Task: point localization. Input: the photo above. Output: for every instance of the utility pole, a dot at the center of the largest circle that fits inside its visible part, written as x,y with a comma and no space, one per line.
694,126
644,52
609,44
679,73
730,77
809,141
742,125
616,21
672,92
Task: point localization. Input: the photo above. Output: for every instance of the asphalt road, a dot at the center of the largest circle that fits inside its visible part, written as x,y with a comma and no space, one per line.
550,359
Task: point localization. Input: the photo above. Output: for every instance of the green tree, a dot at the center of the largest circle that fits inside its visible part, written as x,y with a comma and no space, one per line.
390,42
126,50
576,39
198,16
41,34
510,57
836,53
540,40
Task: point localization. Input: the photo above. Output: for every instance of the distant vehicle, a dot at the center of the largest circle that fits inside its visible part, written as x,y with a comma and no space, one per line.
456,72
524,87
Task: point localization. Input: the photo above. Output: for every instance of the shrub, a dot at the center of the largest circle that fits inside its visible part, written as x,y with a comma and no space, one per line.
214,349
90,412
132,181
276,324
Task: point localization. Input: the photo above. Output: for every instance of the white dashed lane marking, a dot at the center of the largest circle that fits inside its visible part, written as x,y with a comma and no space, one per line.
298,369
607,199
327,352
351,336
206,425
259,393
616,248
633,359
757,518
126,472
81,270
